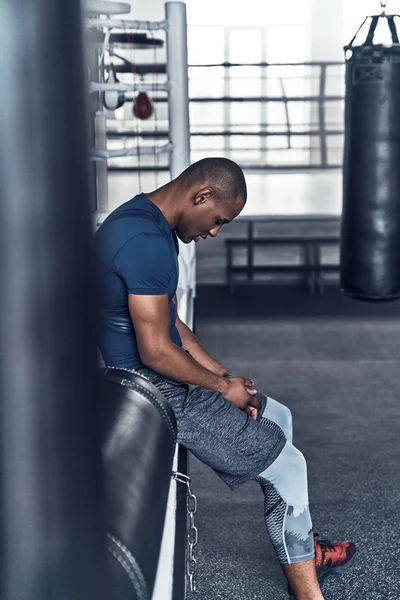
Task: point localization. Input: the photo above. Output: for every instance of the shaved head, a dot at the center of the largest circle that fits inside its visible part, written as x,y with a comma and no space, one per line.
224,176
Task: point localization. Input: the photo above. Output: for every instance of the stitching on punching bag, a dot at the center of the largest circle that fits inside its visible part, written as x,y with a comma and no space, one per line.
366,74
147,394
131,568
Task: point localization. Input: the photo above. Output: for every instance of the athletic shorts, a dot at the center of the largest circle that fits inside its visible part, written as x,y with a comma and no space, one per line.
221,435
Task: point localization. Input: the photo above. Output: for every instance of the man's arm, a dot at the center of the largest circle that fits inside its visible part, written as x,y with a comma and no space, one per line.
199,353
192,345
151,319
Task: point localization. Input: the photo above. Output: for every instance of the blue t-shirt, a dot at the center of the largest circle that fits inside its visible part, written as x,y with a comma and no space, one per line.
137,251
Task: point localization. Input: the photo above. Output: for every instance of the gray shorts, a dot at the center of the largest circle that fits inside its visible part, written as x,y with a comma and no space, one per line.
218,433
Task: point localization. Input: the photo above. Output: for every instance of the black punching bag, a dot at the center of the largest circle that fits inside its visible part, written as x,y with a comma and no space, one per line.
370,232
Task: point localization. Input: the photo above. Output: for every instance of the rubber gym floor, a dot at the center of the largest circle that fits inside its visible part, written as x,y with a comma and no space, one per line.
336,363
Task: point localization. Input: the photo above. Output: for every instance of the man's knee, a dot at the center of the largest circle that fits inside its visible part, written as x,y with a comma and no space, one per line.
288,474
287,425
281,415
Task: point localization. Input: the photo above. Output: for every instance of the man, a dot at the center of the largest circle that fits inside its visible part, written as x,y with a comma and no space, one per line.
221,418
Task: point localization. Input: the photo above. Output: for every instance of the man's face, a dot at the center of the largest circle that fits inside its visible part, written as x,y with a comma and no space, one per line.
206,218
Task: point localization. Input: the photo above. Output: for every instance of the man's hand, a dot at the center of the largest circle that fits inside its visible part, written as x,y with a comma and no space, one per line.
241,393
253,412
249,384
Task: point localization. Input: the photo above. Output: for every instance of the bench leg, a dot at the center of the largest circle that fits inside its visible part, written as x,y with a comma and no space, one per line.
310,272
250,251
231,285
318,268
229,274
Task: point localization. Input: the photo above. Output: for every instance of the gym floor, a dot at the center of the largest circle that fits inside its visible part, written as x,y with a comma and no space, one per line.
336,363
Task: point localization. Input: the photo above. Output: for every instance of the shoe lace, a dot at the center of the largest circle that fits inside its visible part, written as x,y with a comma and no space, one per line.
325,544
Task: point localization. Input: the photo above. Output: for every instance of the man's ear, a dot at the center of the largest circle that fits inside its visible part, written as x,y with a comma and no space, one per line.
203,195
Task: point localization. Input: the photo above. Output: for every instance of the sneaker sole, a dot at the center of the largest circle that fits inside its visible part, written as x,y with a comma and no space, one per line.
335,571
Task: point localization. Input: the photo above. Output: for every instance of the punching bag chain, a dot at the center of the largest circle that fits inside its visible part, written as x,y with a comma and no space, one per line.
383,7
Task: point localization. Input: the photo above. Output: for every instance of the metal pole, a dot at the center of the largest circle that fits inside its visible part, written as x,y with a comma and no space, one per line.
178,113
101,166
321,118
177,70
51,529
170,584
227,90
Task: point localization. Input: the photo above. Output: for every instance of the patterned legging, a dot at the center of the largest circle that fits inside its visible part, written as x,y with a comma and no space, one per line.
284,483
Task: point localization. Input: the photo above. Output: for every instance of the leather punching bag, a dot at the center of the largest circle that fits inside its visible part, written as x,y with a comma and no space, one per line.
139,437
370,232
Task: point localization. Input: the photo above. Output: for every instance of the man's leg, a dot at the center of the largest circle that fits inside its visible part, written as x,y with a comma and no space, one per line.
240,448
287,514
288,521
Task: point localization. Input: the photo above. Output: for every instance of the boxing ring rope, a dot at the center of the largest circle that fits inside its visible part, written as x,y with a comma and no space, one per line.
129,24
121,87
98,154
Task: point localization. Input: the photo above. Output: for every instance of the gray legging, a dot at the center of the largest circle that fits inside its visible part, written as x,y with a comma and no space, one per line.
284,483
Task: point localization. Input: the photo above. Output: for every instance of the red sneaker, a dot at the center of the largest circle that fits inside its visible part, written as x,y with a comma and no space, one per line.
332,558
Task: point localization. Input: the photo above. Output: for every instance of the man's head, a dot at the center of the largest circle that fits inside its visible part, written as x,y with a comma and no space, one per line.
216,191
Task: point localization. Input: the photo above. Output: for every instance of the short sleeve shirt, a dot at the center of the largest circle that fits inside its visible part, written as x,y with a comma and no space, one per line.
137,251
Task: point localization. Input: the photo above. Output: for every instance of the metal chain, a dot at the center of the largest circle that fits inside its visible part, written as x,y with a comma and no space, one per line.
383,6
192,536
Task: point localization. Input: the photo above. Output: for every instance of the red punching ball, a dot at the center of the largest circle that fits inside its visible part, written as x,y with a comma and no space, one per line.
142,107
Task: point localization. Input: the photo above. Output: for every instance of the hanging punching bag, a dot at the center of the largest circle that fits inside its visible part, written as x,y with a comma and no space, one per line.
370,231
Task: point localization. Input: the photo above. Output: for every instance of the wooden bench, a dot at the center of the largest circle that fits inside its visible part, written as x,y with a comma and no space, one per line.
311,266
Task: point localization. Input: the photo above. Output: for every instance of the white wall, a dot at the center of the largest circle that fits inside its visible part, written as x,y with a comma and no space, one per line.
326,21
252,12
